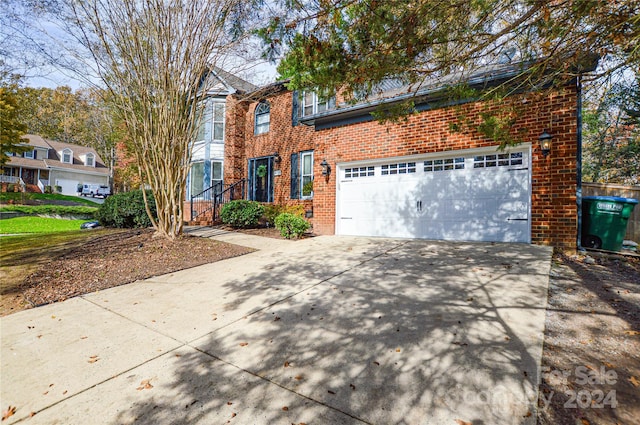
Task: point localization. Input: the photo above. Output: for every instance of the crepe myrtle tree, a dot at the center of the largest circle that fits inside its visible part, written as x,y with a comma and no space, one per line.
152,57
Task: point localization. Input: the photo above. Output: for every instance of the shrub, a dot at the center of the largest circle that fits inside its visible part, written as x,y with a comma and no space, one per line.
241,213
291,225
126,210
271,211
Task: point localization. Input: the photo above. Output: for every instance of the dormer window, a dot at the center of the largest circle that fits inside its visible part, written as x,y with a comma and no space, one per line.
29,154
90,160
67,156
263,118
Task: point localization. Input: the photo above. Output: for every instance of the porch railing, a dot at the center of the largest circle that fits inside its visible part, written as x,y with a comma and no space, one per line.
42,184
209,201
11,179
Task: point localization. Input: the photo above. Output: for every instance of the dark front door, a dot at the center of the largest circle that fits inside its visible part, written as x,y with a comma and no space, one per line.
29,176
261,179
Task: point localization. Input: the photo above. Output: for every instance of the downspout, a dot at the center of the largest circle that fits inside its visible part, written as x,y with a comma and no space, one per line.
579,161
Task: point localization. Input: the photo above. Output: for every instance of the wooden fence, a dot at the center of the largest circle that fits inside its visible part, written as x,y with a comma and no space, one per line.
603,189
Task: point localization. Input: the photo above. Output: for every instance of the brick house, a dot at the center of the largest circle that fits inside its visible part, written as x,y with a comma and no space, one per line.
416,178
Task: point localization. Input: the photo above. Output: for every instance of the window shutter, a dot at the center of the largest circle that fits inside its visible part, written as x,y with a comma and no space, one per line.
295,110
295,177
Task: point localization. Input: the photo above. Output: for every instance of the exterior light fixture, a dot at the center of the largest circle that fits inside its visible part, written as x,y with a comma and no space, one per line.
276,158
545,143
326,168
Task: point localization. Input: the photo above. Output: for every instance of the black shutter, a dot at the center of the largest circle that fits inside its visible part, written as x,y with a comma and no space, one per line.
295,177
295,113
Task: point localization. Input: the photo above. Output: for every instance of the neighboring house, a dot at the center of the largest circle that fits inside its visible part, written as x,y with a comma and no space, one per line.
415,178
55,164
207,157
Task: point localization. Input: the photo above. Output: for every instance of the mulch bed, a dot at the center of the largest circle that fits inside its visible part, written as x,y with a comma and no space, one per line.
120,258
590,362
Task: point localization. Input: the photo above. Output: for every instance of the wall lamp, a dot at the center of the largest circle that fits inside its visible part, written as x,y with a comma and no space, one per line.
276,158
545,143
326,168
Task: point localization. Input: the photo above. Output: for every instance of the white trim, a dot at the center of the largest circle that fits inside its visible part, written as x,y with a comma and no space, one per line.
435,155
73,170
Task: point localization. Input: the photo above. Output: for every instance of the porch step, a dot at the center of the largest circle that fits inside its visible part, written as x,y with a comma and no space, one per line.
32,188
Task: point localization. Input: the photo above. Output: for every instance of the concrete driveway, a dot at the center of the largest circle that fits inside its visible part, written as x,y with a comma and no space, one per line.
328,330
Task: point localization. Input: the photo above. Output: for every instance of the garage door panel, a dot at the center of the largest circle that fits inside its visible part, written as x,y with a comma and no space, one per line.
485,198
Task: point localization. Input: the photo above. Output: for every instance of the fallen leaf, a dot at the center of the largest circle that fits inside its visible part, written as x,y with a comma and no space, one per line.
632,333
397,350
461,422
331,392
11,410
285,408
84,337
145,385
243,344
527,415
609,365
298,377
275,319
286,364
229,403
376,363
634,381
506,338
233,415
585,422
93,359
32,414
353,387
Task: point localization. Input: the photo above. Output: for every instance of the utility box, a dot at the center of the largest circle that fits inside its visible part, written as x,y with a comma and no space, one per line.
604,221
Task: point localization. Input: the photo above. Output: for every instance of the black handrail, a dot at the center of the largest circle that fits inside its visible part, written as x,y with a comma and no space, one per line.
212,198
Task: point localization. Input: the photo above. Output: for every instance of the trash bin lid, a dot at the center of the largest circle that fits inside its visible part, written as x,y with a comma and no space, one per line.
610,199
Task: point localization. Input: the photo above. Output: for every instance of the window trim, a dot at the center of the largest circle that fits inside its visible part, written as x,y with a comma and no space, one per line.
93,160
329,103
263,108
66,151
303,154
29,154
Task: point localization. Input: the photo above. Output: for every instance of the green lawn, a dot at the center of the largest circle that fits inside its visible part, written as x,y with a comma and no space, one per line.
38,225
18,197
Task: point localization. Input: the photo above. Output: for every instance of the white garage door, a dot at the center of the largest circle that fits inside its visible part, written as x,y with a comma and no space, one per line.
69,187
463,196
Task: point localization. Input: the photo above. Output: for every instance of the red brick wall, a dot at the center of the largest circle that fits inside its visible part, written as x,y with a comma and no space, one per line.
283,138
554,218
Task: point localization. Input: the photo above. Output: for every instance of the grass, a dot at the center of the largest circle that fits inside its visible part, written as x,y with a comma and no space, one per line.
18,197
37,225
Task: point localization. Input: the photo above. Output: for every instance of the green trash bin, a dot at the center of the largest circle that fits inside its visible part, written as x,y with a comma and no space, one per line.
604,221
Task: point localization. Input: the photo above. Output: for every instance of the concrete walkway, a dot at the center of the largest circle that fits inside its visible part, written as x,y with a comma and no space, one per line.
327,330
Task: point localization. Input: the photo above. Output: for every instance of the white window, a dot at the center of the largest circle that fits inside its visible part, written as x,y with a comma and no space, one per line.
401,168
218,122
67,156
359,172
198,184
306,174
28,154
90,160
263,118
211,126
312,103
444,164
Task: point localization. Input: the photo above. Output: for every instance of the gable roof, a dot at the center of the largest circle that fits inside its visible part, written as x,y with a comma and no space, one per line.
53,159
225,83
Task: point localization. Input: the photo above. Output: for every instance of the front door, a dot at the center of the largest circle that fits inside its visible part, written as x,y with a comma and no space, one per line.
261,179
